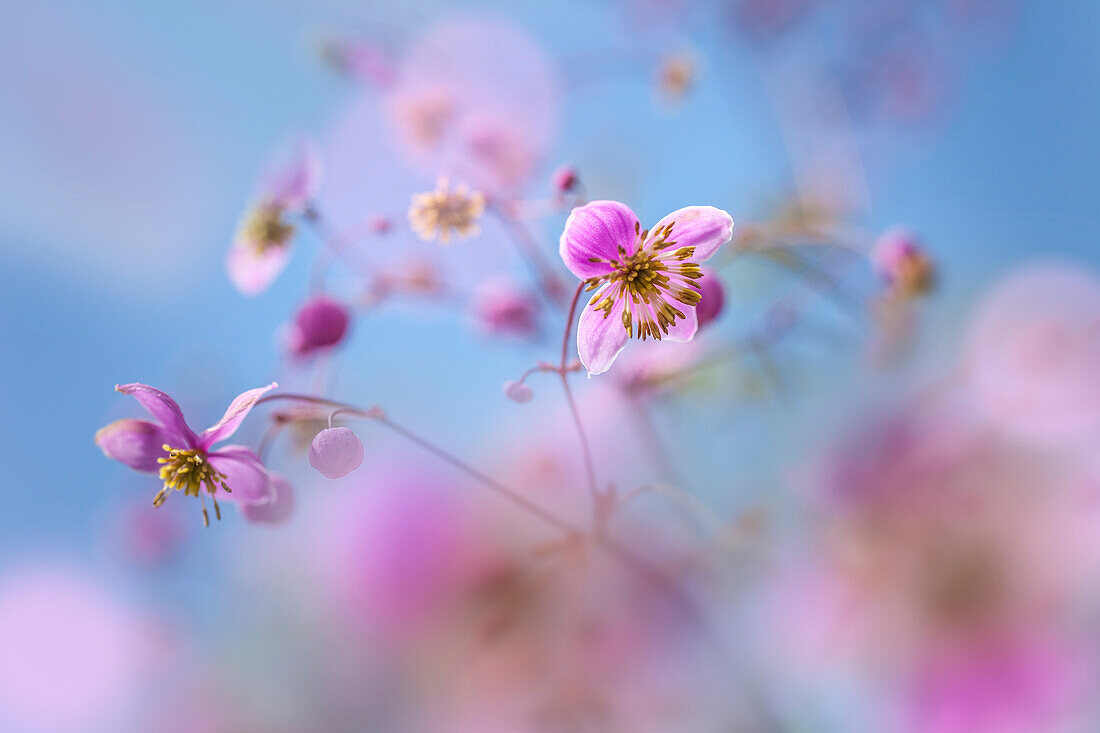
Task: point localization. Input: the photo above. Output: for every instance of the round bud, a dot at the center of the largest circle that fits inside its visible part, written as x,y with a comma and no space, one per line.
335,452
518,392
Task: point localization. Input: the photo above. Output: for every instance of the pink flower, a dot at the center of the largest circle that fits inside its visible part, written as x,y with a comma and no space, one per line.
261,248
320,324
1034,355
187,461
501,307
647,280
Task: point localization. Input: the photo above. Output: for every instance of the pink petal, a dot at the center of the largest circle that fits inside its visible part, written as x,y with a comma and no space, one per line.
684,329
251,271
336,452
164,409
137,443
244,473
703,227
293,180
600,338
597,229
234,415
275,511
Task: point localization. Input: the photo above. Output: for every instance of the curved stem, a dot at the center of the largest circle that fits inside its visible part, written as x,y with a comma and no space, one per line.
589,466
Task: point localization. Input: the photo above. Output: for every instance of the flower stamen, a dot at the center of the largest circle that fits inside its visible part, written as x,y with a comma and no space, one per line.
190,471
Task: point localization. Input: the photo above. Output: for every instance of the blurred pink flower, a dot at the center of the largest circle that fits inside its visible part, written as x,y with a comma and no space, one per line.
1033,355
185,460
147,535
278,509
1017,688
476,100
320,324
72,657
712,297
646,280
261,248
502,307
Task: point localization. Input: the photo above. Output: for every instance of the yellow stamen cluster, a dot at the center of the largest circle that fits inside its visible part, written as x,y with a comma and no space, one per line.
265,227
442,212
656,276
676,75
189,471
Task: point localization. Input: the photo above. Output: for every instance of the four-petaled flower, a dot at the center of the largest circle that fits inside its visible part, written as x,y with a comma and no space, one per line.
646,281
186,461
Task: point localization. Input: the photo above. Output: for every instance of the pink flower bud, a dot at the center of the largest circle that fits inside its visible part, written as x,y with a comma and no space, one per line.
379,224
336,452
518,392
502,308
713,297
565,179
902,262
319,324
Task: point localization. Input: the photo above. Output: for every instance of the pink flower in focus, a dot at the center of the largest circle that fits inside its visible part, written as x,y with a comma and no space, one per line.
261,248
1034,354
647,280
501,307
321,323
187,461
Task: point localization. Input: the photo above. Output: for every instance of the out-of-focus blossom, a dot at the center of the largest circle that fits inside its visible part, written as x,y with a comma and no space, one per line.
676,75
647,280
477,100
187,461
712,297
72,657
518,392
903,263
1016,688
147,535
336,452
321,323
1033,354
443,213
278,509
564,180
261,248
501,307
765,20
363,61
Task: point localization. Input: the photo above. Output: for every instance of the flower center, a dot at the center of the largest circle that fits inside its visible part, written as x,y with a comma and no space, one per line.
444,212
265,228
189,471
650,284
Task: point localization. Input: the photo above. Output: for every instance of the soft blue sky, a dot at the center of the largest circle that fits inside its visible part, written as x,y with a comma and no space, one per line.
132,132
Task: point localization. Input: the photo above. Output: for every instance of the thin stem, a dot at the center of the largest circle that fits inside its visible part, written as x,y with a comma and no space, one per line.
589,466
378,415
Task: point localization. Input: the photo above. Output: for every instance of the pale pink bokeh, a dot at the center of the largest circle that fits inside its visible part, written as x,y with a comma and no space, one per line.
72,656
1033,355
476,100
